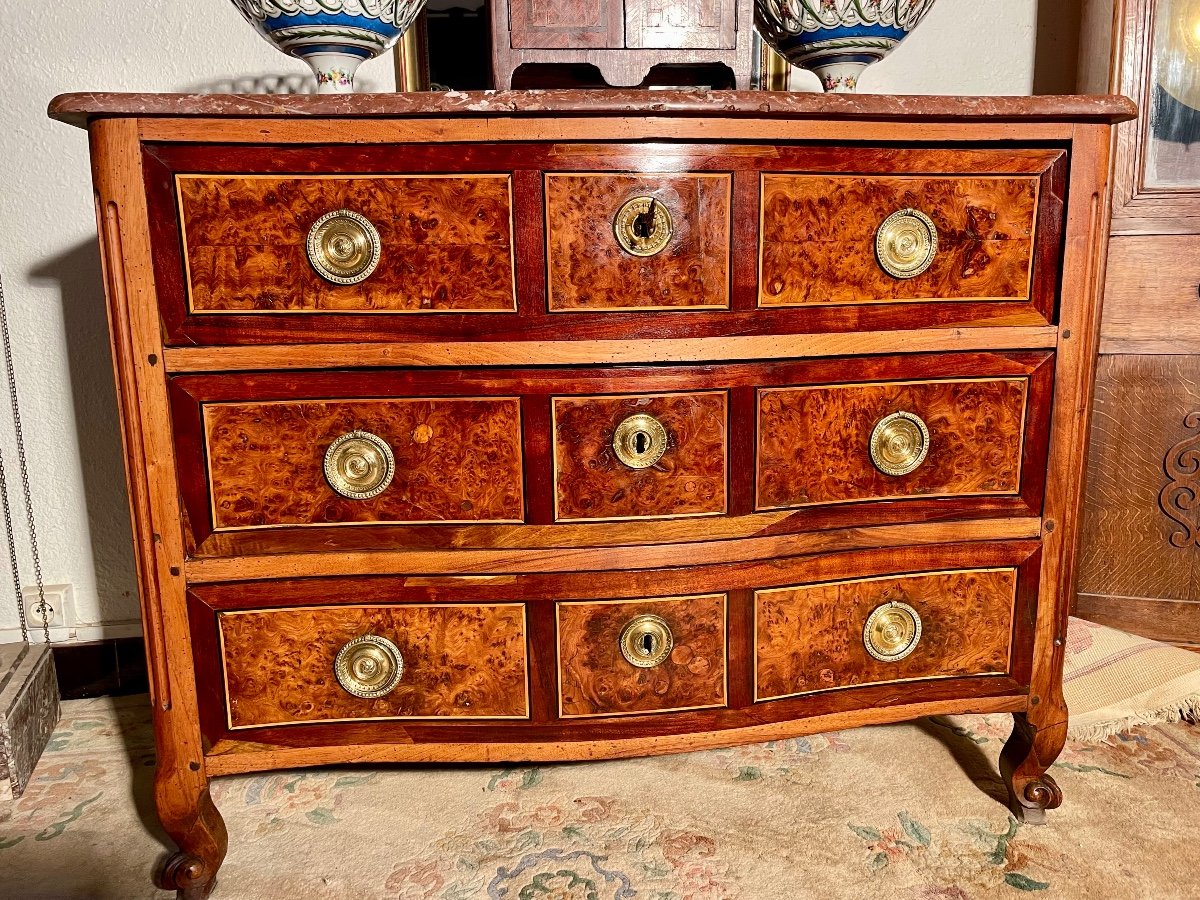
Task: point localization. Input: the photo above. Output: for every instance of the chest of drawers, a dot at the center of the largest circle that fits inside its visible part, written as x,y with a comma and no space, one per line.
555,426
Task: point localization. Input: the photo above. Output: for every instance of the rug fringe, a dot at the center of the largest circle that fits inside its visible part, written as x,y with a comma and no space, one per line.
1096,732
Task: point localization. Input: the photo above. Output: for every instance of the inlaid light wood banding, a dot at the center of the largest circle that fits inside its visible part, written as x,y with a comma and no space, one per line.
460,661
446,243
814,443
456,460
810,638
818,238
688,479
595,679
589,270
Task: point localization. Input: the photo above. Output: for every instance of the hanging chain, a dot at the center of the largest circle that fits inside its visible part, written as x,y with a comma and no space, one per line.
23,467
12,552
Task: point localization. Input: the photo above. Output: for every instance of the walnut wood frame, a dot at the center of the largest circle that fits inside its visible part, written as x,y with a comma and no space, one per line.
131,137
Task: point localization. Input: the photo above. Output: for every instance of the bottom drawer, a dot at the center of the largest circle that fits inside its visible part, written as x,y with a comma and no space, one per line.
328,664
838,634
634,656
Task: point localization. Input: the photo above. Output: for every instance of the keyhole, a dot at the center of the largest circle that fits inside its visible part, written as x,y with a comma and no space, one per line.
643,223
647,645
641,442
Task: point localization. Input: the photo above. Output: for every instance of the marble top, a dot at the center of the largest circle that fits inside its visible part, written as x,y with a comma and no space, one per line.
79,108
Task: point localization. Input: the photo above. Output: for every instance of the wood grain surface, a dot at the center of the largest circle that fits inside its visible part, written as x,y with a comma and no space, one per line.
1141,526
457,460
589,270
1152,295
689,479
810,638
814,442
818,238
596,680
446,243
461,661
536,24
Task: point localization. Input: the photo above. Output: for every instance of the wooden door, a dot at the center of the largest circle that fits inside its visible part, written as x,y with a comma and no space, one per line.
681,24
558,24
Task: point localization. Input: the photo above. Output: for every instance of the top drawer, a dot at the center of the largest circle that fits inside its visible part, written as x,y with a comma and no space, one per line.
295,244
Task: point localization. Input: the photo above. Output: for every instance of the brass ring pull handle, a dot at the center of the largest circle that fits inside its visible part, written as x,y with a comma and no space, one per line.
369,666
359,465
640,441
643,226
343,247
899,443
646,641
906,243
892,631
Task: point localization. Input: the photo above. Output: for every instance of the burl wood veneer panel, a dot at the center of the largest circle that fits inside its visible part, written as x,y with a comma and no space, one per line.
596,680
462,661
810,638
814,442
818,238
689,479
446,243
588,268
1140,545
457,460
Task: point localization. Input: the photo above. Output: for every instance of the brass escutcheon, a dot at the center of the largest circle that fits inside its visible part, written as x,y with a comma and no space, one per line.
892,631
646,641
906,243
643,226
359,465
369,666
899,443
640,441
343,247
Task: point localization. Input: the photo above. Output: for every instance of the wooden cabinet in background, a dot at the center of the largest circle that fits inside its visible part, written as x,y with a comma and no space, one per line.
1140,551
623,39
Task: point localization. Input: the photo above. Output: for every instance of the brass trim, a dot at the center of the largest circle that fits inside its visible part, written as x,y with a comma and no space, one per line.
646,641
892,631
205,406
1015,570
224,613
343,247
359,465
723,596
1024,380
899,443
640,441
1027,298
727,248
369,666
556,398
382,176
906,243
631,231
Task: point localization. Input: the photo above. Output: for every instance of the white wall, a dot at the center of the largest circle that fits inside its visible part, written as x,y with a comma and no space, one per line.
50,263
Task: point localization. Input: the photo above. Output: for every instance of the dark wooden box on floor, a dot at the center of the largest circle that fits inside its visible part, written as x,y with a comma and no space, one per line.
660,422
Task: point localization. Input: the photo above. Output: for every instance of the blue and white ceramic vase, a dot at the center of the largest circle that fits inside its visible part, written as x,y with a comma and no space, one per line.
837,39
332,36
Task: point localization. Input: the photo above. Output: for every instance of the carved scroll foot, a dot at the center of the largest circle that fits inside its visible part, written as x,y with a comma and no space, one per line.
1026,757
195,825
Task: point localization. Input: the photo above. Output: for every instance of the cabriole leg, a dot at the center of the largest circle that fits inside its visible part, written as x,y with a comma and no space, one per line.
188,815
1028,754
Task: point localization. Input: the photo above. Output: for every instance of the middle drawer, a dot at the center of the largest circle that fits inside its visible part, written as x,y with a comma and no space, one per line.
623,455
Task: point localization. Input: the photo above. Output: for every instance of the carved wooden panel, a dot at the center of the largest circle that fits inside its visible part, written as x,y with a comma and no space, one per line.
810,638
456,460
814,442
589,270
554,24
596,680
446,243
593,483
1140,542
818,238
463,661
681,23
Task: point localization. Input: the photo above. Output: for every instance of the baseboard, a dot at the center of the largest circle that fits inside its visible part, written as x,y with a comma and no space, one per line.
110,667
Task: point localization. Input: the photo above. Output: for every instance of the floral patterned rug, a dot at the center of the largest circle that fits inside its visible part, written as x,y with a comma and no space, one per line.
906,811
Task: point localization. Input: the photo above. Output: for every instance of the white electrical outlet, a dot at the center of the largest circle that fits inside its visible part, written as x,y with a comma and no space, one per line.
60,605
